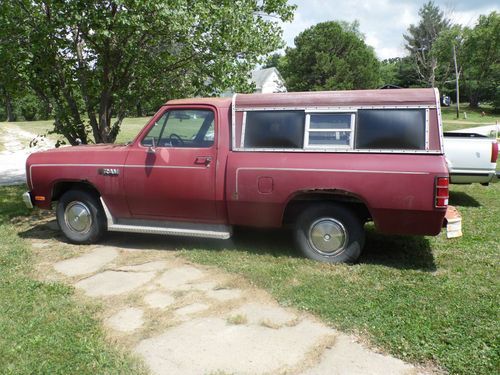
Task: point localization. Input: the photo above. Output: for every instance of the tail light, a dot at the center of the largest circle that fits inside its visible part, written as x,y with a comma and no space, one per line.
494,152
442,192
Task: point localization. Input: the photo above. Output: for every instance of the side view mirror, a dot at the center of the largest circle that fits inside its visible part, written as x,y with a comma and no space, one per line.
152,148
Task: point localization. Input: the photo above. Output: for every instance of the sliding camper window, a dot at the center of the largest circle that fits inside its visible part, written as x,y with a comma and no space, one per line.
395,129
329,130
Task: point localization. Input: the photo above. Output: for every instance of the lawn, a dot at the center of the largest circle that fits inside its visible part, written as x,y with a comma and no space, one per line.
130,128
42,329
475,117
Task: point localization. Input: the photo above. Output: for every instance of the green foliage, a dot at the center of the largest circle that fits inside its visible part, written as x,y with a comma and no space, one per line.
29,106
97,60
496,100
399,71
481,59
275,60
11,61
328,57
420,42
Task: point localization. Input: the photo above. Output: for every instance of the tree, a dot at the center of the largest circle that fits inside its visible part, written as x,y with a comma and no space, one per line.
481,60
97,60
399,71
448,49
420,41
274,60
327,57
11,82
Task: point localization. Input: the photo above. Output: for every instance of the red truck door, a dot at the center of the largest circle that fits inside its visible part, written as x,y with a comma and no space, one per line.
170,171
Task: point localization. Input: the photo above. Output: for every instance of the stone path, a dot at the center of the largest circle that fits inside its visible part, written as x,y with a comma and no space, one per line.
182,318
13,158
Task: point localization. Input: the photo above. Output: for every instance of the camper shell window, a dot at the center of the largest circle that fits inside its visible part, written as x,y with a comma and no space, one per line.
274,129
392,129
329,130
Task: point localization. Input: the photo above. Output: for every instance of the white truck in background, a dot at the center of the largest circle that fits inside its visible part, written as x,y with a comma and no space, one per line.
471,158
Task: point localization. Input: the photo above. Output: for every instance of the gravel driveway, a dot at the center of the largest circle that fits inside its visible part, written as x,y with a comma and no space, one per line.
16,149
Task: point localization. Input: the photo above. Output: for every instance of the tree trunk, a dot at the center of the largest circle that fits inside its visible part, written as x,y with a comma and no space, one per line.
46,108
105,108
8,107
138,108
432,77
474,100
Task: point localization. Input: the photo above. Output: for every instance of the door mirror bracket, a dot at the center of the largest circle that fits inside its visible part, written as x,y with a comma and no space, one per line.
152,148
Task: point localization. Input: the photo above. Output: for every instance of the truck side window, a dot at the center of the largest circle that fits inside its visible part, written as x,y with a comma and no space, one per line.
396,129
329,130
274,129
182,128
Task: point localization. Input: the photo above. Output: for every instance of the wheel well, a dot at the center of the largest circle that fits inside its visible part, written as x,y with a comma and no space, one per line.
62,187
299,203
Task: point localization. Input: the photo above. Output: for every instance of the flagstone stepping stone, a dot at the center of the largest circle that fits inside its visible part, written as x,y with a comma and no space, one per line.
87,263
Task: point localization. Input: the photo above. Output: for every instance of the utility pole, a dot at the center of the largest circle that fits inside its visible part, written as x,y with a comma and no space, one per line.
457,76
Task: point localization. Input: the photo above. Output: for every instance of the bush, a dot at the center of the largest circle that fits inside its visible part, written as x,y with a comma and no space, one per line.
29,107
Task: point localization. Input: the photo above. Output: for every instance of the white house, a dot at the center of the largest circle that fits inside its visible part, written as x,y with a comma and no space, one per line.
268,80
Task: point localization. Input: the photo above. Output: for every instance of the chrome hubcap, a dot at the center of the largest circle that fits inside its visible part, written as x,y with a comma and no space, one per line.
78,217
327,236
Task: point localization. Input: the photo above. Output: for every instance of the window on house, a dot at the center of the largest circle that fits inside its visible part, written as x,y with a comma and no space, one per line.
396,129
274,129
329,130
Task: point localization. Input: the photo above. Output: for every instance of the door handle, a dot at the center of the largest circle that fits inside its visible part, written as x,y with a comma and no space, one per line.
204,160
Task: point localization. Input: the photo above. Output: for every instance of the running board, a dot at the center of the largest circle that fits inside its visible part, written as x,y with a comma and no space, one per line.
222,232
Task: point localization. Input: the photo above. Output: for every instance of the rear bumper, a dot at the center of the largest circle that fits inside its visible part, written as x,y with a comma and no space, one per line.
27,199
471,178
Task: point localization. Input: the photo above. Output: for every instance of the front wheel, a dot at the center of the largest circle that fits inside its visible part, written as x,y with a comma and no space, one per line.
330,233
80,217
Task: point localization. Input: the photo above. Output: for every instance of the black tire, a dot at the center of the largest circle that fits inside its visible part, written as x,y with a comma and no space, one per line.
330,232
81,217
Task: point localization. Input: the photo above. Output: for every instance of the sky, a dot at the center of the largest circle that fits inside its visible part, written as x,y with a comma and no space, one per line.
383,22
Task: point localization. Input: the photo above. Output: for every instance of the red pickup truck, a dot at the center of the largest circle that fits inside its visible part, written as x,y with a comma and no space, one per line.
323,162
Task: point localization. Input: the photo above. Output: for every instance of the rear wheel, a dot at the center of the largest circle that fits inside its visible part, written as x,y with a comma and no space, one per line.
330,233
80,217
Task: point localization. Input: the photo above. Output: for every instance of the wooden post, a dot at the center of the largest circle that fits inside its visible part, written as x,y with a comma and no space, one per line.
457,76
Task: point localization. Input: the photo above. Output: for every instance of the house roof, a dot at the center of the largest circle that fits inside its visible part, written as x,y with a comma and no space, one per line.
260,76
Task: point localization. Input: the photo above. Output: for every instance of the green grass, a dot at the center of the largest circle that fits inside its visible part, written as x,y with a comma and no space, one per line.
423,299
42,329
130,128
475,117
